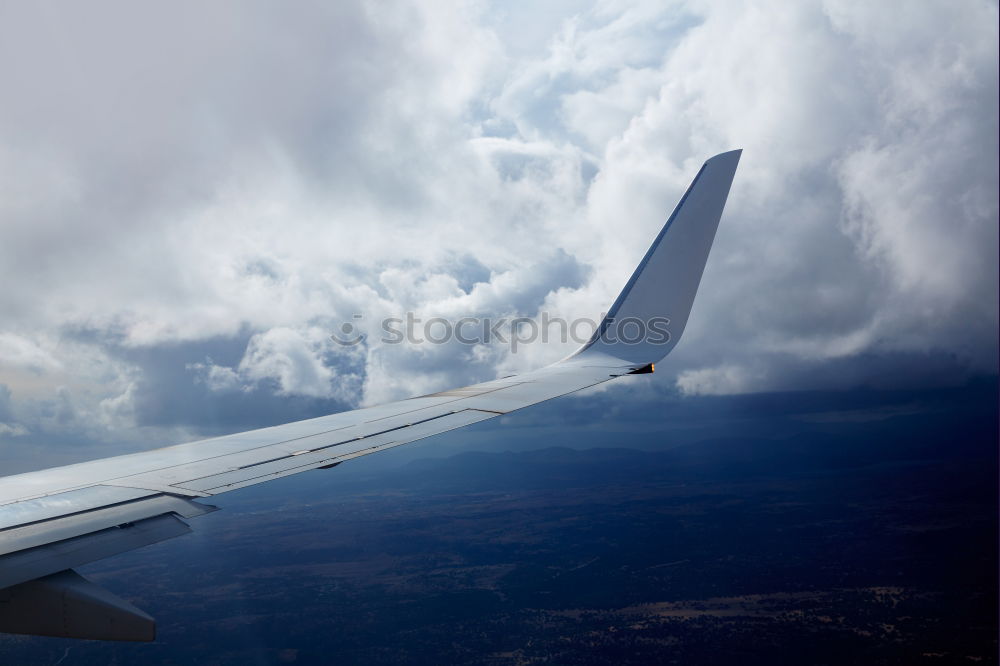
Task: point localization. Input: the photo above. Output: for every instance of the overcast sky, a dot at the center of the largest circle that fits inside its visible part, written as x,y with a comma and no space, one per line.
194,196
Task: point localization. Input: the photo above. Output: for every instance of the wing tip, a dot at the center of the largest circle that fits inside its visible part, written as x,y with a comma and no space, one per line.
733,155
664,284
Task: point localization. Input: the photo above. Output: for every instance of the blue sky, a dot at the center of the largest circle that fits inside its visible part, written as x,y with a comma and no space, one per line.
193,198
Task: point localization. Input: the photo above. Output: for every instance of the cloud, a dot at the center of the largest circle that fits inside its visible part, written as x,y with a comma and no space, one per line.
864,216
17,351
719,380
294,360
8,429
193,198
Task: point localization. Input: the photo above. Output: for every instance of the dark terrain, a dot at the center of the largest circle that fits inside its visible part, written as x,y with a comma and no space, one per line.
868,538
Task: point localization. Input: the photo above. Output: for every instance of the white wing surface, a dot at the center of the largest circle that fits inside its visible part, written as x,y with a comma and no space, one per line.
56,519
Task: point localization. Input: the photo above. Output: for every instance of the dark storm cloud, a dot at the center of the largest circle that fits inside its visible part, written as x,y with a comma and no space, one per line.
172,392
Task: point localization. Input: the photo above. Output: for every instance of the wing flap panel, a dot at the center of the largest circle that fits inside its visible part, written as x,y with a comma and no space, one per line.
77,524
59,504
26,565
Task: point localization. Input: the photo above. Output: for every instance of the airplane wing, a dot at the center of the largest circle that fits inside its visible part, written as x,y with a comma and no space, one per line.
56,519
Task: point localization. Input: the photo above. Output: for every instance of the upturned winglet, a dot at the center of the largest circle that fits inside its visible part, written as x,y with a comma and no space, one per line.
648,317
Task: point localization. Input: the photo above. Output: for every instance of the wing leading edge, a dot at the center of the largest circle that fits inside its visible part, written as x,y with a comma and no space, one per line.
56,519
